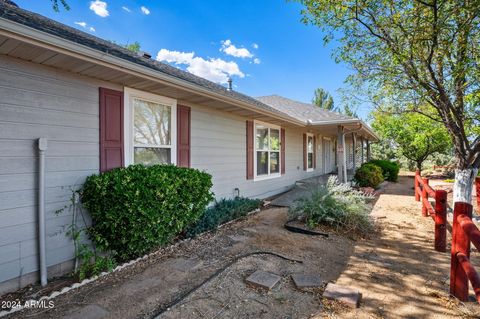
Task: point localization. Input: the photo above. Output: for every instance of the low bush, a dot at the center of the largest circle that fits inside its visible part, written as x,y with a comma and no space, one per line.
368,175
223,211
337,205
138,208
389,169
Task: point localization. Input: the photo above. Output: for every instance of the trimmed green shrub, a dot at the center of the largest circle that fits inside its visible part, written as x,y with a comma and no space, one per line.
337,205
368,175
223,211
138,208
389,169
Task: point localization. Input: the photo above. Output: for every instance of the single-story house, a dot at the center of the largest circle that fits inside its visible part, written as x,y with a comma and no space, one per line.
72,105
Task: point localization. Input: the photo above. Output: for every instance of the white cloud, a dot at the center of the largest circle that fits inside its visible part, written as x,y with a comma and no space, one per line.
255,46
230,49
216,70
99,7
126,9
256,61
145,10
82,24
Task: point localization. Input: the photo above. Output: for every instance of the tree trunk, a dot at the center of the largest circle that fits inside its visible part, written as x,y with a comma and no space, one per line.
419,165
463,187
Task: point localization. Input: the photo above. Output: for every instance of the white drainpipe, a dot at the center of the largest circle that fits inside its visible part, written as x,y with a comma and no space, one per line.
42,147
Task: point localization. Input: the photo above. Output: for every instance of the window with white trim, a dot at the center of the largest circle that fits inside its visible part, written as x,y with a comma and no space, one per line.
310,150
151,128
267,150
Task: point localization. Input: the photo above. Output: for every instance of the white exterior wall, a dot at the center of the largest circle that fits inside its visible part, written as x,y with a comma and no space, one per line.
38,101
218,146
35,102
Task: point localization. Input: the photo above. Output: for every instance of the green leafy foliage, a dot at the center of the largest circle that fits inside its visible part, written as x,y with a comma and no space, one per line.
389,169
56,6
412,135
369,175
91,264
412,56
323,99
138,208
337,205
223,211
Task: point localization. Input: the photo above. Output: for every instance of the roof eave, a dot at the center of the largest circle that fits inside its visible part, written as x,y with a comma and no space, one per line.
58,44
346,121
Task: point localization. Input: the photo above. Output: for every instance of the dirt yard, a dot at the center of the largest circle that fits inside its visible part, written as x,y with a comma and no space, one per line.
397,271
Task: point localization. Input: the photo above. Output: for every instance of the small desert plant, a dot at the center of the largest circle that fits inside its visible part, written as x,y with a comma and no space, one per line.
368,175
223,211
336,205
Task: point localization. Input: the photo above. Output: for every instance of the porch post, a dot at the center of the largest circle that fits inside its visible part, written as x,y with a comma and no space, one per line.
361,147
368,151
354,154
341,158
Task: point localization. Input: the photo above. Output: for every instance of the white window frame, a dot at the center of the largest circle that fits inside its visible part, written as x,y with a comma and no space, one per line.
128,119
269,175
313,152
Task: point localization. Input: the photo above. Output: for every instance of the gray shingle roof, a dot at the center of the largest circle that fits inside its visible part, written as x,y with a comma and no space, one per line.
301,111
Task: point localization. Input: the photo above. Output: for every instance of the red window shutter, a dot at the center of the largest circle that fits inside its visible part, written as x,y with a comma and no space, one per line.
305,155
282,150
111,129
314,152
183,135
250,141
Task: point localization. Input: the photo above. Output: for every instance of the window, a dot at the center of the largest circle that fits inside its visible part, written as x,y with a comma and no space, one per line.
310,150
267,150
149,132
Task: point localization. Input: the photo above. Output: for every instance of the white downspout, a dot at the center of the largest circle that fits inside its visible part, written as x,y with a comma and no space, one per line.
42,147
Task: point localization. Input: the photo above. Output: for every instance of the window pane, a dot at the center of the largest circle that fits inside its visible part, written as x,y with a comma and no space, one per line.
274,162
262,163
274,139
152,123
262,137
310,160
310,144
151,156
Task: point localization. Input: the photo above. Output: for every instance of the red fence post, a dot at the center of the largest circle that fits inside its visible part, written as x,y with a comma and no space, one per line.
460,244
477,186
441,220
417,194
424,195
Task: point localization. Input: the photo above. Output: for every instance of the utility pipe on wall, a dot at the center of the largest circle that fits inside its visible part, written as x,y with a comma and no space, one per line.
42,147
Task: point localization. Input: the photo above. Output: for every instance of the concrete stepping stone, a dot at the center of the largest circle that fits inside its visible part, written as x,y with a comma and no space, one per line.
263,279
307,280
344,294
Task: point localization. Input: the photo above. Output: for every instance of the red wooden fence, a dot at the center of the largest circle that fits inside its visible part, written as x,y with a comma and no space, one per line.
423,192
462,271
464,232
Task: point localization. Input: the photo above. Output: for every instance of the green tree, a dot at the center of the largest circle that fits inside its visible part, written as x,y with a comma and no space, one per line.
56,5
323,99
135,46
413,135
416,55
350,111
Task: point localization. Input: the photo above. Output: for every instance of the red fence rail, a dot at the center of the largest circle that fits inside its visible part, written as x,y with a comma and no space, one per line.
462,271
423,192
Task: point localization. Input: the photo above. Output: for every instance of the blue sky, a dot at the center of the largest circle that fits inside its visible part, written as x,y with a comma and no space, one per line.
261,44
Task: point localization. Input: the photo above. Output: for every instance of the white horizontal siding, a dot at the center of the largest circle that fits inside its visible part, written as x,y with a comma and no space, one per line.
218,146
36,102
